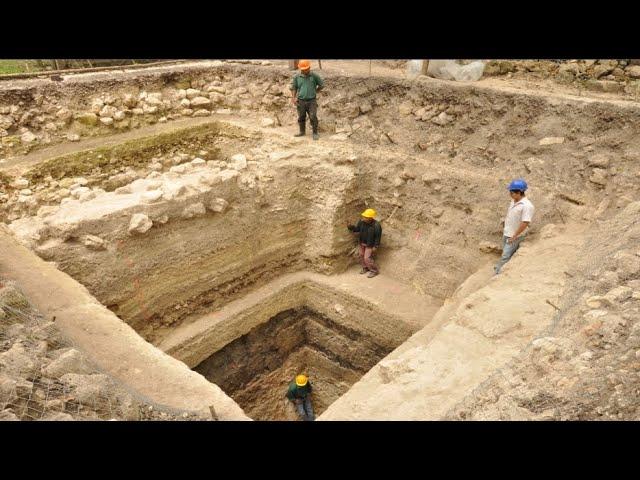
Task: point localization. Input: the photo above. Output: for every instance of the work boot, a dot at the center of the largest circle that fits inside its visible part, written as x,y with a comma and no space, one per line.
302,130
364,270
316,136
372,274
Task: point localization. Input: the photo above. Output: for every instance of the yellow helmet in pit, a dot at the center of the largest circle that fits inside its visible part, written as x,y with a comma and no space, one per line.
301,380
369,213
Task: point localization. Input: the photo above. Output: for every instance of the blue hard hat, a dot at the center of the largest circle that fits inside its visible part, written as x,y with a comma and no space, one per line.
518,185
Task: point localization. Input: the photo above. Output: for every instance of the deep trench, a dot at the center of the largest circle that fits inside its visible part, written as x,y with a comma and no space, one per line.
256,369
187,269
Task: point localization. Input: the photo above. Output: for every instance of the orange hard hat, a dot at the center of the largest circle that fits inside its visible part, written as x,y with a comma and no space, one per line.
304,64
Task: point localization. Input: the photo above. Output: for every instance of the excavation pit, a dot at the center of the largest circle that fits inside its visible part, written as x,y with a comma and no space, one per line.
304,327
170,220
256,369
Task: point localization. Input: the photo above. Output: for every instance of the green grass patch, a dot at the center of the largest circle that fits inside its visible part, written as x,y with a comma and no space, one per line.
134,153
13,66
10,66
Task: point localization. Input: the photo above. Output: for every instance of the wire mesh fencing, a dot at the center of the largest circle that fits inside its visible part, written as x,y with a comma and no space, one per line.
43,377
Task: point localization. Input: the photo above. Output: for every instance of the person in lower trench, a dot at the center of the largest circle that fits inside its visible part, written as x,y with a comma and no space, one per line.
369,233
300,393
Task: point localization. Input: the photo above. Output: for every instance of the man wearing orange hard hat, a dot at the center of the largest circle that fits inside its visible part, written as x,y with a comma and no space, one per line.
304,87
369,233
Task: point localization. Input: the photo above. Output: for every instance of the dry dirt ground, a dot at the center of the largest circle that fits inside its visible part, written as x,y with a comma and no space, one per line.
542,80
138,196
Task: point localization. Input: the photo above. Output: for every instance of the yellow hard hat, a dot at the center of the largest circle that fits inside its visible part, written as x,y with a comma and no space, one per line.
301,380
369,213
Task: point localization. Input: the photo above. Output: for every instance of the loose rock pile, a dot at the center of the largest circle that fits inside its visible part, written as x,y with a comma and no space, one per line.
42,377
21,197
187,188
616,76
44,120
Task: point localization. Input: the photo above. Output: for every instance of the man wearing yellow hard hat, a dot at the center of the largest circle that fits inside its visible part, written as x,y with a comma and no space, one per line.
369,233
303,88
300,393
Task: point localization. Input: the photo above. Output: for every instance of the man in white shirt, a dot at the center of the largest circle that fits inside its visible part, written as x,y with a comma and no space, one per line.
516,223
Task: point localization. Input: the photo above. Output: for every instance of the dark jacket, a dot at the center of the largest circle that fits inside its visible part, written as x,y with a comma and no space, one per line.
370,233
298,392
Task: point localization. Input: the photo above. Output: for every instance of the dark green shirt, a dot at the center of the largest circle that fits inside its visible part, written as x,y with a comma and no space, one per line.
306,85
298,392
370,233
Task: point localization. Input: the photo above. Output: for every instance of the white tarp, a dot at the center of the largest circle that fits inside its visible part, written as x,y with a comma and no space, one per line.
448,70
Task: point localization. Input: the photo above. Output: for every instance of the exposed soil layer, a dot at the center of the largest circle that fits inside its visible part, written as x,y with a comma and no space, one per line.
255,369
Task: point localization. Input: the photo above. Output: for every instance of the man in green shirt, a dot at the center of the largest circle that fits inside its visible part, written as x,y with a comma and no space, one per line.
300,393
303,88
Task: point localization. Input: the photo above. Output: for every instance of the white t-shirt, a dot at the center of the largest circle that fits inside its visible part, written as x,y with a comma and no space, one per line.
518,212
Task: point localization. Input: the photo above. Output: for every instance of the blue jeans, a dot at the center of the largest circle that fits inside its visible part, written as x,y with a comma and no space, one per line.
507,251
305,409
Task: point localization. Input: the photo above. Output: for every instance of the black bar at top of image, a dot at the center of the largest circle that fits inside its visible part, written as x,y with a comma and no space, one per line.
382,36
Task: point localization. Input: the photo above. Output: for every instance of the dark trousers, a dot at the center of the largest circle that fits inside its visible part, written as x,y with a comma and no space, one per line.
305,409
308,107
